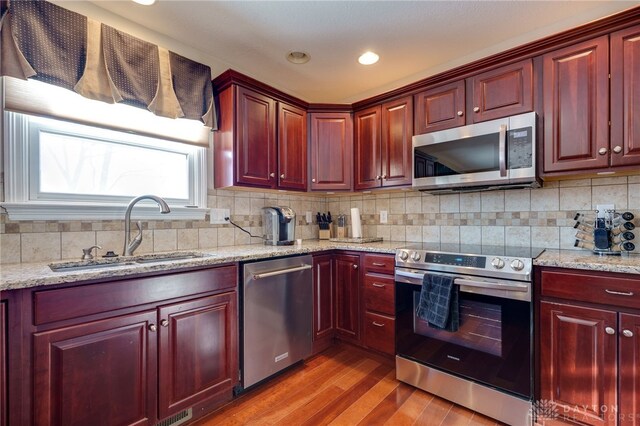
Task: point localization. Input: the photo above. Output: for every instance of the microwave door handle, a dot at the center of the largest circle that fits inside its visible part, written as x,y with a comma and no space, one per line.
502,150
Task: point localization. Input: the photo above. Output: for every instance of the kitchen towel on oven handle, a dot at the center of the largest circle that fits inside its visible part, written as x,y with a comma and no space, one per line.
439,302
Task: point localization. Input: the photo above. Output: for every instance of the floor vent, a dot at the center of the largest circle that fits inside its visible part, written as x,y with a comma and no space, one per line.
177,419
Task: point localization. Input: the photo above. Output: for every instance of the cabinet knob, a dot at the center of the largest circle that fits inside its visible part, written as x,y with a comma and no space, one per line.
460,113
164,323
355,266
153,327
384,176
617,149
313,180
377,177
476,109
602,151
609,330
627,333
272,175
282,176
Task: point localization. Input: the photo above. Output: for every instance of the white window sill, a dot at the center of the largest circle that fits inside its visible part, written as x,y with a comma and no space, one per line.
86,211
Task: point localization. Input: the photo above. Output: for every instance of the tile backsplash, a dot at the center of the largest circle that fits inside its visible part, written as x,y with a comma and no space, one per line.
525,217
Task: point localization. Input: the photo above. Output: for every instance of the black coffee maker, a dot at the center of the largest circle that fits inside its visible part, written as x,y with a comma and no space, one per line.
279,224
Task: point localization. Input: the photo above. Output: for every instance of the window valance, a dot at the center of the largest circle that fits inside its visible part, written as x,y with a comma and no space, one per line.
45,42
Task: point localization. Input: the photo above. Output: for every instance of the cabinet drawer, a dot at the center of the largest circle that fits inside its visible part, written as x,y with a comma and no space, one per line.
379,333
74,302
595,288
380,263
379,294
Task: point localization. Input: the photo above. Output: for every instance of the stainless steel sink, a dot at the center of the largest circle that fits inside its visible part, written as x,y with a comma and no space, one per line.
84,266
165,257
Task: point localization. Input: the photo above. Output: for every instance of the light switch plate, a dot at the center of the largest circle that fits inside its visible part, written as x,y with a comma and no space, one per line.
383,216
307,217
216,216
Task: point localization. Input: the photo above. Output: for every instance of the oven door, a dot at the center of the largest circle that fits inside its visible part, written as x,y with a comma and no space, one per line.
492,345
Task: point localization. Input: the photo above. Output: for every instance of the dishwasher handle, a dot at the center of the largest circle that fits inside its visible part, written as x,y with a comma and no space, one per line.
281,272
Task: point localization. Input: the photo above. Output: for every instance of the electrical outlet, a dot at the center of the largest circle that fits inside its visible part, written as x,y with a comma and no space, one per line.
308,217
216,216
383,216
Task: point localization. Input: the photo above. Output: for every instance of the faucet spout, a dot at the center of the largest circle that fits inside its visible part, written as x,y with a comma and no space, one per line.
130,245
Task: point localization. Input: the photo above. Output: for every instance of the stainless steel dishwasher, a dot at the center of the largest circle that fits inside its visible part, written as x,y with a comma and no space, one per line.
277,316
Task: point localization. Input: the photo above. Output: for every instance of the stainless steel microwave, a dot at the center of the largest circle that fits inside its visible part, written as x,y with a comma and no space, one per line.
490,155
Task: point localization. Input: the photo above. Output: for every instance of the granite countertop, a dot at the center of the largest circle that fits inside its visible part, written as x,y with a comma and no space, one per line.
585,260
25,275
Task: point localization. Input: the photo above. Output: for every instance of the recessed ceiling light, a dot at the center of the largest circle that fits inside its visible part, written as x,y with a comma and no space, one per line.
145,2
368,58
296,57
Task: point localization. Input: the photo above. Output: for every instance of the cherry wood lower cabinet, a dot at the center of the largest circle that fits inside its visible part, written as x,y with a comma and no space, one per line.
347,284
378,289
323,306
128,352
3,364
589,345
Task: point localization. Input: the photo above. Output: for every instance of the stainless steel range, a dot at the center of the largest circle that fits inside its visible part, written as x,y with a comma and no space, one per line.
486,365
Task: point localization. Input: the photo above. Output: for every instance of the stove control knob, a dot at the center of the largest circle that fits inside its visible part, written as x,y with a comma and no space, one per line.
415,256
497,263
517,265
403,255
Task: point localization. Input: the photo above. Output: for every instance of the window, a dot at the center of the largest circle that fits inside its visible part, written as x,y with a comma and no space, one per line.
58,170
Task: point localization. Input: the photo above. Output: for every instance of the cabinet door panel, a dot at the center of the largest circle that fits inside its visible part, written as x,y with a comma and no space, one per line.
255,142
397,131
347,282
576,99
578,361
3,366
440,108
501,92
98,373
629,369
198,351
625,97
331,151
324,317
366,149
292,147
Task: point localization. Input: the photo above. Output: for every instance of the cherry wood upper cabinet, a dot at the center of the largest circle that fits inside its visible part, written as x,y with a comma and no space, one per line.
397,152
629,369
331,146
367,149
101,372
292,147
578,359
256,139
500,92
576,106
440,108
191,367
625,97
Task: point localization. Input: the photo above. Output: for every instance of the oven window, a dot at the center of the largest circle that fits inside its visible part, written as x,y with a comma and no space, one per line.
480,326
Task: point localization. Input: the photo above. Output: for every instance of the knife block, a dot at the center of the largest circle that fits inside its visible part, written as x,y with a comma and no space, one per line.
324,234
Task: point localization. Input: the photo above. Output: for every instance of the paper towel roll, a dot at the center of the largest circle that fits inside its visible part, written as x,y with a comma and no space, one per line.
356,226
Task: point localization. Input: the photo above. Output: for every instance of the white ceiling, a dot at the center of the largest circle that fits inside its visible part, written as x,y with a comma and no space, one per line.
414,39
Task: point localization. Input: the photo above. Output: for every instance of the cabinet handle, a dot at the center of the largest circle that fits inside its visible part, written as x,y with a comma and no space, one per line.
152,327
617,149
460,113
355,266
609,330
377,177
476,109
282,176
377,324
164,323
379,264
379,285
313,180
602,151
627,333
272,175
384,176
619,293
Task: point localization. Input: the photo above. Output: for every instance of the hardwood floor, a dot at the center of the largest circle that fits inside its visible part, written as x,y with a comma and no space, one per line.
342,386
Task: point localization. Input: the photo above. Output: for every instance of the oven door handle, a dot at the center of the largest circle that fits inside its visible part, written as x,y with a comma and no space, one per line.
417,277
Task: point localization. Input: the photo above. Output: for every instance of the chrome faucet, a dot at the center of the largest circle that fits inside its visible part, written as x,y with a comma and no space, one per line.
131,245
